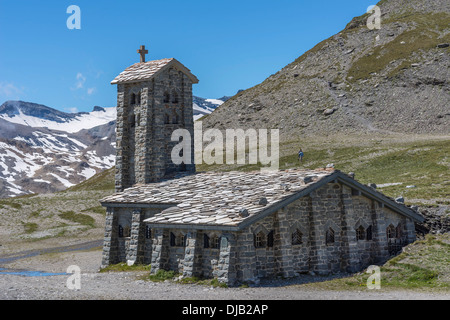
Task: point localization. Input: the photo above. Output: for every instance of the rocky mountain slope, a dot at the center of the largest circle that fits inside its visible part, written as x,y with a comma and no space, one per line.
42,160
394,79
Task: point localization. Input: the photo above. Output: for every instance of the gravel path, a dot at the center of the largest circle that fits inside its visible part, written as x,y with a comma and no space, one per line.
128,286
99,286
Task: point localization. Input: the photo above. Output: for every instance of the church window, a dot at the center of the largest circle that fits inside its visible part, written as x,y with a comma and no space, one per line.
390,232
174,117
138,98
297,237
132,120
135,98
174,97
177,240
259,240
215,242
329,236
360,233
166,97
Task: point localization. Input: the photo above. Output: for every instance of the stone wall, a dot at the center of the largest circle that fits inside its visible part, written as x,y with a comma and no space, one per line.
147,114
334,207
336,229
126,236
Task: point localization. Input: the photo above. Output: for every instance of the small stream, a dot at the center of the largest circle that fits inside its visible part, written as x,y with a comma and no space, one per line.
8,258
28,273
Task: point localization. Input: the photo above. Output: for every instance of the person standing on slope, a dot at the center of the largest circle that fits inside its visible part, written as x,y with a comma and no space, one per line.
300,155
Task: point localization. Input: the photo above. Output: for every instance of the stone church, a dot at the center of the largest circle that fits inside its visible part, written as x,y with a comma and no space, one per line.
237,227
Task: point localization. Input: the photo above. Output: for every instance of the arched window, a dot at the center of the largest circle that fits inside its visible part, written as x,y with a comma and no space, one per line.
297,237
174,117
166,118
259,240
135,98
166,97
132,120
390,232
174,97
360,233
177,240
329,236
138,98
215,242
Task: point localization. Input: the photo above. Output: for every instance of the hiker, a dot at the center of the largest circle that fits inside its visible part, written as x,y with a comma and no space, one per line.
300,155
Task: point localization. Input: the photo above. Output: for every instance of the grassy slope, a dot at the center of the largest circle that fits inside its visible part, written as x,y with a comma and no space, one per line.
425,36
423,163
424,264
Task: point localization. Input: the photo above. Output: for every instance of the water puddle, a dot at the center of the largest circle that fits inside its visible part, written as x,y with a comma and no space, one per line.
28,273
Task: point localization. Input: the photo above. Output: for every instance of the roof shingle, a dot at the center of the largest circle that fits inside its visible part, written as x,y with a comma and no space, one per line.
146,70
214,198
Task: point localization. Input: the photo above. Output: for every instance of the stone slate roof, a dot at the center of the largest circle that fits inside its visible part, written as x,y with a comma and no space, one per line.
146,70
232,200
212,198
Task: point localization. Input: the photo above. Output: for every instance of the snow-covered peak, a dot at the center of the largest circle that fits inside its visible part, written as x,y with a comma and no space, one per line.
39,116
205,106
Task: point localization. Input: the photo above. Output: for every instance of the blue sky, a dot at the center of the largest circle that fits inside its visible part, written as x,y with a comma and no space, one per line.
229,45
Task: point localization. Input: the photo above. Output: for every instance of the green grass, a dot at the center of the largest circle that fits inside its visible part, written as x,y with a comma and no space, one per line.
425,36
98,209
424,264
99,182
10,203
36,213
214,282
162,275
30,227
78,218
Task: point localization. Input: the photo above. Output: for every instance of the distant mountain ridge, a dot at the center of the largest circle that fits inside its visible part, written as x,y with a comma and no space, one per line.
37,115
46,150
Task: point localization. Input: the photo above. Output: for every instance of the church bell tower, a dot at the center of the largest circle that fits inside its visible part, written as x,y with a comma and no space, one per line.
154,98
